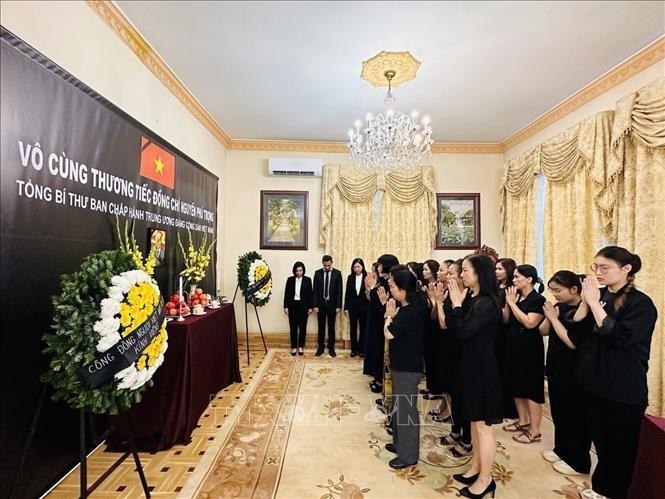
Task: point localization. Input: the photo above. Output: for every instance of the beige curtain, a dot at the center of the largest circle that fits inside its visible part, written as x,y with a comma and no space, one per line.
638,143
365,215
580,194
576,168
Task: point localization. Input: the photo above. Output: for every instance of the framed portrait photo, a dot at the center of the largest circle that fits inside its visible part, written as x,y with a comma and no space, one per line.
458,221
157,239
284,220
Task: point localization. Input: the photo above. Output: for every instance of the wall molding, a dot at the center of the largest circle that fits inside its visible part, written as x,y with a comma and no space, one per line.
287,145
646,57
467,148
123,28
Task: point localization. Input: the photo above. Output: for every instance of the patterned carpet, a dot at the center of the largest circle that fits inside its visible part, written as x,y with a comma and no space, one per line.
308,427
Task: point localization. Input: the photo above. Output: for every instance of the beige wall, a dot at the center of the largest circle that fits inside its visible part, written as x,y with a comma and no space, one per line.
247,175
71,34
604,102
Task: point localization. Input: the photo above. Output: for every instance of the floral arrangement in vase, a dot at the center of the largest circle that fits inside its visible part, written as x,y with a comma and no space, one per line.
196,259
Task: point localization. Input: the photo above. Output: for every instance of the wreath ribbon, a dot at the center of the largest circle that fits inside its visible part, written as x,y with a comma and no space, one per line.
125,352
253,288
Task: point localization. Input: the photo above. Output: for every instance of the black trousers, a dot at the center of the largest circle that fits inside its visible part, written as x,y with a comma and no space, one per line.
615,430
357,317
405,418
572,441
298,324
327,314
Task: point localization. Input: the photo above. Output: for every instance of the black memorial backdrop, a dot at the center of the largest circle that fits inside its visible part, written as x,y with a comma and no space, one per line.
62,146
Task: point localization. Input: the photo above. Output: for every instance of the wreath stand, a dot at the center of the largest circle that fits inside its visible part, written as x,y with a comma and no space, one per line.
256,311
83,457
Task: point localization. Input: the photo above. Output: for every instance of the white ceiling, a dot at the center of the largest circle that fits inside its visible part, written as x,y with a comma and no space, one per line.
291,70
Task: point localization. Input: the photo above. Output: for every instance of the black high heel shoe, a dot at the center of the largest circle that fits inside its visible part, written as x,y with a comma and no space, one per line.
490,489
293,352
466,480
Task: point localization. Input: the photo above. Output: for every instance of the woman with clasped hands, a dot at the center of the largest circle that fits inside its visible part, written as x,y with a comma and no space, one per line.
614,326
404,330
474,319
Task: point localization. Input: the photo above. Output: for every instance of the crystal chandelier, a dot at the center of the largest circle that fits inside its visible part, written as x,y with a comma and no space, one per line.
394,141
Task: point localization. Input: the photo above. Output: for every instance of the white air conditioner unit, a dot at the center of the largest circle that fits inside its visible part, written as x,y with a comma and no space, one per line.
295,167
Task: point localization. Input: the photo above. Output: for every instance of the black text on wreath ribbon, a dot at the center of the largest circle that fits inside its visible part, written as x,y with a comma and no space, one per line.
124,353
253,288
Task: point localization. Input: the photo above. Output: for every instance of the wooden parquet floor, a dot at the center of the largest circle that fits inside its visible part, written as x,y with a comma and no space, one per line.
166,471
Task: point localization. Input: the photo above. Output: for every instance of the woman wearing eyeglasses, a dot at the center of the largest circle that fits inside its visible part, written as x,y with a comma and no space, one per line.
614,325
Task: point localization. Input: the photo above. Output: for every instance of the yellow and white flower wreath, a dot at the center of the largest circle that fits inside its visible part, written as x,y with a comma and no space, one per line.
257,270
132,298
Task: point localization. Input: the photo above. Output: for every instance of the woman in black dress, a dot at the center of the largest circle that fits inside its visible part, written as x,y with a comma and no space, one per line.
477,393
458,442
356,304
571,437
298,301
525,353
615,325
404,330
432,344
373,362
504,271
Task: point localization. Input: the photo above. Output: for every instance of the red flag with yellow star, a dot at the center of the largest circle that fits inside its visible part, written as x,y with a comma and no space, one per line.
157,164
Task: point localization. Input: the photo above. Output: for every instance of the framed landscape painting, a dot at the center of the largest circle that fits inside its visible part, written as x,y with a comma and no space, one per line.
458,221
284,220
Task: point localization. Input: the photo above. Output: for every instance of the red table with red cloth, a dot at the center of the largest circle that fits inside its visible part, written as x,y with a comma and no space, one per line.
649,474
201,359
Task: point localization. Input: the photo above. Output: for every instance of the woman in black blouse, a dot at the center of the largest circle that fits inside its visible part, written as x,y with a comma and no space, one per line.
373,362
613,327
525,352
477,393
433,346
571,437
404,330
356,304
458,442
298,301
504,271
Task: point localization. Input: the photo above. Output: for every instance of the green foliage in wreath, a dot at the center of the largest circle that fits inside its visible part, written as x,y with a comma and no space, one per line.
244,266
74,342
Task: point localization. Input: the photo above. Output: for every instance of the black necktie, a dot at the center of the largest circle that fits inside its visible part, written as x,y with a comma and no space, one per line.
326,286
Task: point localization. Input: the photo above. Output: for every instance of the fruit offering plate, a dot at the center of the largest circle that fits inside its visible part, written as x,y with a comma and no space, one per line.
202,313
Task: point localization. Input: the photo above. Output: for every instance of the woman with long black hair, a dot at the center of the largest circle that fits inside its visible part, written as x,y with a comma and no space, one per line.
433,346
477,394
525,351
356,304
571,436
614,326
373,362
404,330
504,271
458,442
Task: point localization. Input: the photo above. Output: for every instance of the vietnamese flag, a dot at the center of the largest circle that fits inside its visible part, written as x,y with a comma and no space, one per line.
157,164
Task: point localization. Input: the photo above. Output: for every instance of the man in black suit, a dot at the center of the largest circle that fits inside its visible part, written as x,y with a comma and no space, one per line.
327,302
